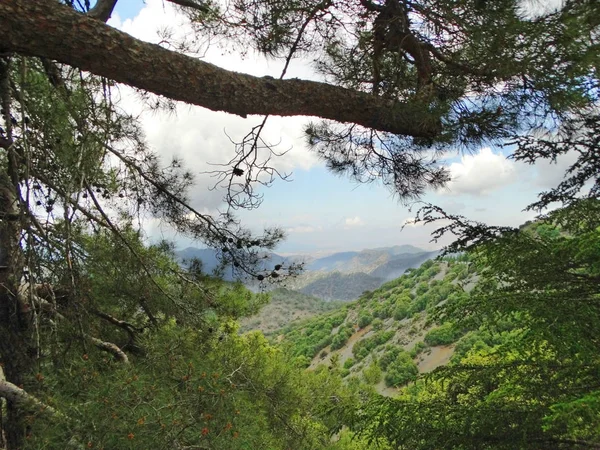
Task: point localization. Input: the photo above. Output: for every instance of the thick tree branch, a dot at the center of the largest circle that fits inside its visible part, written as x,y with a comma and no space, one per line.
46,29
103,9
110,348
22,400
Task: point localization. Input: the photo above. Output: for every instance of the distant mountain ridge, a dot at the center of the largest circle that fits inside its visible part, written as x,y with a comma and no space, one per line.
340,276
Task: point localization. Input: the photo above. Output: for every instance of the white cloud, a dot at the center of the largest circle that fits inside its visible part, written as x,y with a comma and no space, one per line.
197,135
533,9
550,174
303,229
352,222
481,173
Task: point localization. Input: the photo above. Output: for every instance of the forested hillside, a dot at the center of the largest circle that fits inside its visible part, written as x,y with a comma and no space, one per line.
284,307
395,322
108,342
484,349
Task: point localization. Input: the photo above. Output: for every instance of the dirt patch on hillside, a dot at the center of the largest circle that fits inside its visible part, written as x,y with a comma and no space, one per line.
434,358
385,390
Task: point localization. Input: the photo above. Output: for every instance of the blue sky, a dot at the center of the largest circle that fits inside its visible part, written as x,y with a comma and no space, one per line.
128,9
321,212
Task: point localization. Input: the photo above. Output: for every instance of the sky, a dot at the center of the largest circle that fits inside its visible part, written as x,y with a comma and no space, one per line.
320,212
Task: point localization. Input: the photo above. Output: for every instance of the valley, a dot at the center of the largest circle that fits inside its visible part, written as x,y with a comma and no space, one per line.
324,282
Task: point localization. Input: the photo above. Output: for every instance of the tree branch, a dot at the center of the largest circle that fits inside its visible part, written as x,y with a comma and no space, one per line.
22,400
102,10
46,29
129,328
110,348
191,4
371,7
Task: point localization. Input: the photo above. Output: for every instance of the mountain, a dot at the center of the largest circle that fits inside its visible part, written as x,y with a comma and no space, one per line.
400,262
341,286
341,276
332,262
385,262
387,336
208,257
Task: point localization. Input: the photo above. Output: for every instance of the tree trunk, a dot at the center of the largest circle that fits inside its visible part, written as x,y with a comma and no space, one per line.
15,353
46,29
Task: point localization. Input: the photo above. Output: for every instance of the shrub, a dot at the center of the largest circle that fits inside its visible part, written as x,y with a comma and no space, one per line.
341,337
401,370
349,363
418,349
364,319
390,354
443,335
422,288
377,324
362,348
372,374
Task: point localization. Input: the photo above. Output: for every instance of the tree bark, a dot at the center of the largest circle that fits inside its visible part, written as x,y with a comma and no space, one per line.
15,351
22,400
47,29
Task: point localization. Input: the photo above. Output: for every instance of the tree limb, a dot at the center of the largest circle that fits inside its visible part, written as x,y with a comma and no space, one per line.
21,399
110,348
46,29
129,328
103,9
191,4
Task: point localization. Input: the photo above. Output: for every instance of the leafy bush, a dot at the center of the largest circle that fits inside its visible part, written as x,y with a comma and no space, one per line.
364,319
422,288
362,348
390,354
418,305
349,363
377,324
401,370
314,337
372,374
443,335
382,311
341,337
418,349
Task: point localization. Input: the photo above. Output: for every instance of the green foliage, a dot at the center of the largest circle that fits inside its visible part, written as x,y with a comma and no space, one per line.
364,319
377,324
402,307
445,334
390,353
309,339
422,288
523,376
576,417
418,349
401,370
372,373
342,336
216,393
363,347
